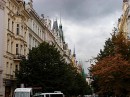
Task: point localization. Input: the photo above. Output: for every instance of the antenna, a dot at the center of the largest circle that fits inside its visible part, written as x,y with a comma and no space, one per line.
60,17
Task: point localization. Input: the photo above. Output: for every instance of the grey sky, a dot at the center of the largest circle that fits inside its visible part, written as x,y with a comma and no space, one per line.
78,10
86,23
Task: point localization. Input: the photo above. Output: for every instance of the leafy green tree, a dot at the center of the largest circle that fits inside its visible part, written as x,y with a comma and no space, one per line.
46,68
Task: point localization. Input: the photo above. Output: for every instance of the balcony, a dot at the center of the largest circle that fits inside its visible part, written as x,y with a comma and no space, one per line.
18,57
9,80
9,76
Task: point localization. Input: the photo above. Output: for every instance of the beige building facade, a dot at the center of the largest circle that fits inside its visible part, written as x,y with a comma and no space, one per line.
21,29
124,20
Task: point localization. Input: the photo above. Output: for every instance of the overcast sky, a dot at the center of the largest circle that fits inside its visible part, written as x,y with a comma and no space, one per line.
86,23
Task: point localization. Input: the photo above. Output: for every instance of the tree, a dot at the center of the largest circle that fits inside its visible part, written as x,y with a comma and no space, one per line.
109,46
46,68
116,44
108,49
112,69
112,75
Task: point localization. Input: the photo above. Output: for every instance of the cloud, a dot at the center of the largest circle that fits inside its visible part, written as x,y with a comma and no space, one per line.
89,38
78,10
86,23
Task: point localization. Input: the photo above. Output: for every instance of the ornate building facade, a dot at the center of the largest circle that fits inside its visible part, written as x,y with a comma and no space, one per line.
124,20
21,29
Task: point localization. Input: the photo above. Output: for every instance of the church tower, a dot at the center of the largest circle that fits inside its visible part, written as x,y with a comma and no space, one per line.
61,33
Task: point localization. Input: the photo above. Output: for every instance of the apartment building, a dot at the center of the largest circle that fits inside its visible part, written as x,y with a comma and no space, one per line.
124,20
21,29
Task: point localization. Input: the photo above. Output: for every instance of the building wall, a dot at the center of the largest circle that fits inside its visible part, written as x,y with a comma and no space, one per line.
15,45
124,21
21,29
2,5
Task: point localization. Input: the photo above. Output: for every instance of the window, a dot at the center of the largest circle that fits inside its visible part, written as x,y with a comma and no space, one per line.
38,32
30,41
8,24
13,7
17,49
11,47
16,67
11,69
56,95
33,25
25,35
7,67
43,35
9,4
12,26
47,95
22,94
22,28
33,42
8,45
25,51
17,31
21,49
36,29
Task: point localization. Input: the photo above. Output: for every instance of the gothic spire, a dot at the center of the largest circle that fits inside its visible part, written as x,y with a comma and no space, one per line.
74,52
55,26
61,31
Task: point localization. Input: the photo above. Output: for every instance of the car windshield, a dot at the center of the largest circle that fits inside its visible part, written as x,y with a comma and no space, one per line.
22,94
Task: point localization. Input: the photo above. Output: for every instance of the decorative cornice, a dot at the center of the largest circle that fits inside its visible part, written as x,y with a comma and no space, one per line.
2,4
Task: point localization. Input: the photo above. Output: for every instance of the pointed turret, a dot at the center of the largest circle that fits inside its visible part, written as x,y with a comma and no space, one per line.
61,33
55,26
74,55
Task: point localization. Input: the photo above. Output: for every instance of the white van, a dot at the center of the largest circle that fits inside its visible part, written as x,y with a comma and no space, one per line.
23,92
50,95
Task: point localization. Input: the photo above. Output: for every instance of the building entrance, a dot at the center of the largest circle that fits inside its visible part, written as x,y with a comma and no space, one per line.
7,91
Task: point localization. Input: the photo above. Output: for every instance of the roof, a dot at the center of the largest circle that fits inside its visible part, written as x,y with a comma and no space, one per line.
23,90
125,0
50,93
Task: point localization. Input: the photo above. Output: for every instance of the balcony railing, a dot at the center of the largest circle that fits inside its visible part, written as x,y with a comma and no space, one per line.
9,76
18,57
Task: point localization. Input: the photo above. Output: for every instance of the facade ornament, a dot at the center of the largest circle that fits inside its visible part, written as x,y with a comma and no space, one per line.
2,4
31,1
